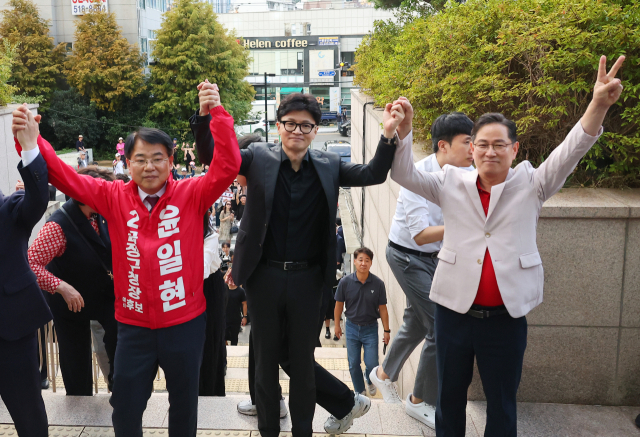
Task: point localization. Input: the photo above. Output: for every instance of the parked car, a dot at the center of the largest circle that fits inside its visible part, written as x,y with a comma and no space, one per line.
252,127
345,129
342,148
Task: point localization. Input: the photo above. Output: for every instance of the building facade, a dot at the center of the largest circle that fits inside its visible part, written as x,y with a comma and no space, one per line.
138,19
299,50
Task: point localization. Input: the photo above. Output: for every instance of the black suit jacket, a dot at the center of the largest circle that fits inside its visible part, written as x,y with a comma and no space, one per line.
260,165
22,307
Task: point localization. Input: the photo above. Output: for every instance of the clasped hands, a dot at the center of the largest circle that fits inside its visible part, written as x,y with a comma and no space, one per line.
397,117
209,96
25,127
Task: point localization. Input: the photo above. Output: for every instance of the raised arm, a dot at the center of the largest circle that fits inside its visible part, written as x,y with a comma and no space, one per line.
200,124
95,193
553,172
226,158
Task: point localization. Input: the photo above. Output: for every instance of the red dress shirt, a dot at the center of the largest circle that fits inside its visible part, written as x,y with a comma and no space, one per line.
488,290
49,244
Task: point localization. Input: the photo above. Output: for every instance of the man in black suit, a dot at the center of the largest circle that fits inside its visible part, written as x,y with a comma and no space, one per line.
286,246
22,307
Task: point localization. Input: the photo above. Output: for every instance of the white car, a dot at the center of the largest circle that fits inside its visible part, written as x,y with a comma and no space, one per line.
252,127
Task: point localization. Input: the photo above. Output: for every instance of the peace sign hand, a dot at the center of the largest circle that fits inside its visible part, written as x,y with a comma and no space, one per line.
607,89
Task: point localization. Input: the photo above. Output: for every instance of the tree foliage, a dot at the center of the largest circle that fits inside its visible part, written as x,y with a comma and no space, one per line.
103,66
38,63
192,46
70,115
533,60
7,57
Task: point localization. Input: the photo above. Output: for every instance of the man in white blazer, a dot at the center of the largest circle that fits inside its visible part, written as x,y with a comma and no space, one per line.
490,273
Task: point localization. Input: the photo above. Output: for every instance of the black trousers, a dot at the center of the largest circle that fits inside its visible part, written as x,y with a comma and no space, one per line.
73,331
284,304
331,394
178,350
215,349
232,332
20,386
498,344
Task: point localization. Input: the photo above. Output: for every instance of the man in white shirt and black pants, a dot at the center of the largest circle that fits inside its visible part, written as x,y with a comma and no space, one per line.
414,242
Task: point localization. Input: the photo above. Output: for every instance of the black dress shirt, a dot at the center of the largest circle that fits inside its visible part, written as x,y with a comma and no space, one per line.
79,145
299,215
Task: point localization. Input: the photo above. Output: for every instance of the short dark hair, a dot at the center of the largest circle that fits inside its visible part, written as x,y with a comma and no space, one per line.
496,118
123,177
364,250
148,135
245,140
338,221
300,102
226,244
243,195
448,126
97,173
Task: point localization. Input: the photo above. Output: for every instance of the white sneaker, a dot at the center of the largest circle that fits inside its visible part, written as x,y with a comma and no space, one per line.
336,426
283,409
248,409
386,387
423,412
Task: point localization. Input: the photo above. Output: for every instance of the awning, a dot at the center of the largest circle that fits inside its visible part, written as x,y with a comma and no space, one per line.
284,91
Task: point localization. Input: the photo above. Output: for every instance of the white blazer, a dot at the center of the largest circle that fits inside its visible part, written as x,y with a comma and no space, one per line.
508,230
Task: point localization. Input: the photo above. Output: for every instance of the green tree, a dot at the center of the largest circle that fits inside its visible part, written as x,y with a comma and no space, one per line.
103,66
70,115
533,60
7,57
192,46
38,63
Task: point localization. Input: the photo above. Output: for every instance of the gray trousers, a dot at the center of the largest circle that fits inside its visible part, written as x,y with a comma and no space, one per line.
414,274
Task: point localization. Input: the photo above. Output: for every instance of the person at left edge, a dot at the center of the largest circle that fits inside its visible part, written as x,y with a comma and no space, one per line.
156,228
22,306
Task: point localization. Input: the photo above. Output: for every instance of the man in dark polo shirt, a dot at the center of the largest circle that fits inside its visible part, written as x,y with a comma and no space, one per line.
366,301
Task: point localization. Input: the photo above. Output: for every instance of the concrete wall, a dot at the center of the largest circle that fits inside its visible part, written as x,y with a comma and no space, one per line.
584,340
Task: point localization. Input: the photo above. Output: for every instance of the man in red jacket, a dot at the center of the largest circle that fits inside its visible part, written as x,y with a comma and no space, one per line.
156,226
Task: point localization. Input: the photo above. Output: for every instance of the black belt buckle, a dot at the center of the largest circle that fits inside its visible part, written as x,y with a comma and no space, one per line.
288,263
478,314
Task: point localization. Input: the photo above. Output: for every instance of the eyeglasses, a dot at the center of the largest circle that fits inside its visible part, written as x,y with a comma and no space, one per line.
484,147
156,162
305,128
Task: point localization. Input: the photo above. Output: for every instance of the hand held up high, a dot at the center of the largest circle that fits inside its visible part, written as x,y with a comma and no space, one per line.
25,127
606,92
391,119
208,96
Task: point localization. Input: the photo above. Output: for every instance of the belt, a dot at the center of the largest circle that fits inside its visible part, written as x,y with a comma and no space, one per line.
413,252
288,265
486,313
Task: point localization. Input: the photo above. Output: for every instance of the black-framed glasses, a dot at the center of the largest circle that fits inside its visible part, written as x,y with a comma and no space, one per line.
500,147
291,126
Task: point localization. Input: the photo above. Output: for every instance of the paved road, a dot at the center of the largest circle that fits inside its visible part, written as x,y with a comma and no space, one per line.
322,137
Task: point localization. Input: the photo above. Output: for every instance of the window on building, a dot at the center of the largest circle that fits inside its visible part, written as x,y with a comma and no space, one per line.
68,46
152,34
142,4
271,93
287,29
143,45
307,28
279,62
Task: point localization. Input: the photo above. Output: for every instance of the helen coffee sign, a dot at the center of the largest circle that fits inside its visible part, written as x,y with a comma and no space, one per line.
81,7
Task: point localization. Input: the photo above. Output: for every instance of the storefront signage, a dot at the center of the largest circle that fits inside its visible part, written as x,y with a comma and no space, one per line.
278,44
326,73
328,41
81,7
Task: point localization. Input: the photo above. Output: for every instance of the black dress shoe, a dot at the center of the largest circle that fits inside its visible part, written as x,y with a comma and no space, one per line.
44,385
638,421
327,334
335,338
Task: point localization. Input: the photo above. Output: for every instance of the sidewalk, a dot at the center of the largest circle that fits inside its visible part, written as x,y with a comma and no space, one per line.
81,416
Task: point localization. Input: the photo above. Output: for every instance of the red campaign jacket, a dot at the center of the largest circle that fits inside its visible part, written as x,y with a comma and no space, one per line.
157,256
